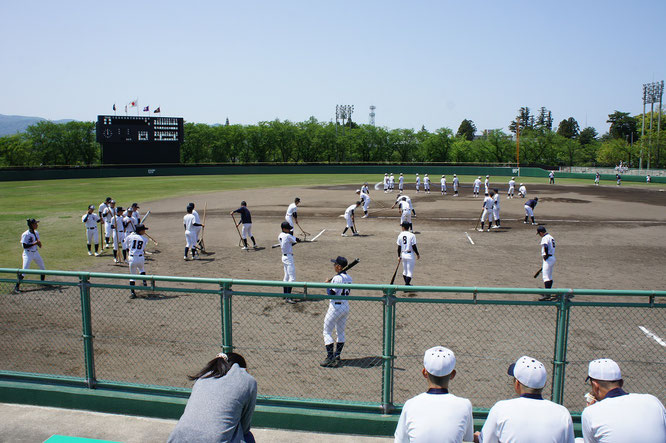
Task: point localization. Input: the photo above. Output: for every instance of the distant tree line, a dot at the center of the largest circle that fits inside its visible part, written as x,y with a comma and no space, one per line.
73,143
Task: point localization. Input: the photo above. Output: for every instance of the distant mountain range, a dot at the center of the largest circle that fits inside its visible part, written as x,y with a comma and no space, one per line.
11,124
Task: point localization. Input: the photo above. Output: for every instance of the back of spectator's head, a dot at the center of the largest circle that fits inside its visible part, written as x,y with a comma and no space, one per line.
219,366
605,372
439,363
529,372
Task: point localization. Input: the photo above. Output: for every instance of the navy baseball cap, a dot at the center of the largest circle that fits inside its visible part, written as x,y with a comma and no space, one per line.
31,221
340,261
135,205
541,229
91,207
140,227
285,225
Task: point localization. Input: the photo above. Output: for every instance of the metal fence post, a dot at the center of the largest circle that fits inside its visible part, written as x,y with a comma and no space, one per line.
225,303
560,352
388,350
86,316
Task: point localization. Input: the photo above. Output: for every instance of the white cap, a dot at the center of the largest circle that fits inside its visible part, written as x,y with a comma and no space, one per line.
521,184
528,371
487,176
426,175
479,176
358,190
513,178
454,175
604,369
439,361
443,175
417,173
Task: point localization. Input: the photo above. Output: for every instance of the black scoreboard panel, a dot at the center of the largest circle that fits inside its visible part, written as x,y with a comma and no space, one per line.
139,140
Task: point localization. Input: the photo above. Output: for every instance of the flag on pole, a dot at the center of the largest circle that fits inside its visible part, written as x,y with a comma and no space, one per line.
133,103
114,106
157,111
145,109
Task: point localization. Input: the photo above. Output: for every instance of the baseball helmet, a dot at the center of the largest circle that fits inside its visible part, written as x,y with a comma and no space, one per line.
285,225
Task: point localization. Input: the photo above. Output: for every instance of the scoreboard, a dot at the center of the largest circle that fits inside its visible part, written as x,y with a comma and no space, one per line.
139,140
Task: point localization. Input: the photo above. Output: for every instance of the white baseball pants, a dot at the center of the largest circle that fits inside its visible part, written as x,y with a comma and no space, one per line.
92,235
190,239
407,264
350,223
136,265
366,205
247,230
485,213
528,211
547,269
496,213
336,319
32,256
289,267
406,216
118,239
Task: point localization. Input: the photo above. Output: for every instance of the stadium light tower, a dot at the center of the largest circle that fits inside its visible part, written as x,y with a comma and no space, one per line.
652,93
372,114
343,112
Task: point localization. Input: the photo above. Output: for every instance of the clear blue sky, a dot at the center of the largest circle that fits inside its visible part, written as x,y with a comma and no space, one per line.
429,63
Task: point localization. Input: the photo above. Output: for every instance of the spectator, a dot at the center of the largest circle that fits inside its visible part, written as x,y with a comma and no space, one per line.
529,418
221,405
436,415
613,415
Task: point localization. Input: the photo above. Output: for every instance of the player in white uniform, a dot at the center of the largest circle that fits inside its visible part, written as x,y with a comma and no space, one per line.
530,417
136,215
136,244
418,183
365,198
487,205
337,314
496,208
522,191
349,218
529,209
107,216
551,178
405,212
30,243
406,250
130,222
486,184
118,230
442,184
476,186
426,184
512,187
386,182
548,260
401,183
90,220
436,415
365,188
291,216
197,226
190,224
597,176
287,241
100,212
617,416
456,184
391,182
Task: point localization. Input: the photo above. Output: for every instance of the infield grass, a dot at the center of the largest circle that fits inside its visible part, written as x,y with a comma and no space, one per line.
59,204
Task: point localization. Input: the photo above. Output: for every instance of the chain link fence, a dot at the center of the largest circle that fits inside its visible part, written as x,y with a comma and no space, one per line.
176,326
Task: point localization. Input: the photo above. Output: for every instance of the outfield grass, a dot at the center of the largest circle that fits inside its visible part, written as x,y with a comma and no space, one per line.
59,204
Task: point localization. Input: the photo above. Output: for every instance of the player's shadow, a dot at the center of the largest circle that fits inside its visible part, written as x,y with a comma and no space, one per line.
156,296
363,362
258,248
365,235
207,253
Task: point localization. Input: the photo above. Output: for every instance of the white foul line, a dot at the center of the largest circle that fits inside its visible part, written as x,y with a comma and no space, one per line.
469,238
653,336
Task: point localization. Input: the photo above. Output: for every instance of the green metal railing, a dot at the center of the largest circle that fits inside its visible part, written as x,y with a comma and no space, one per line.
130,344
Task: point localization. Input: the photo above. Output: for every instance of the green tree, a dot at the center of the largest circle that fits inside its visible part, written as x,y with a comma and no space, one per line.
612,151
623,126
525,118
587,136
568,128
467,129
545,119
16,150
436,146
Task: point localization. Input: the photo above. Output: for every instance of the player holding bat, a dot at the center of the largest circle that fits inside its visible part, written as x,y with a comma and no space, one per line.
338,311
406,250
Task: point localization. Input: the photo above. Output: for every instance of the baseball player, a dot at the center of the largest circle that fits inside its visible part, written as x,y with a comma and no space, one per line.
337,314
522,191
442,184
401,183
408,200
130,221
365,198
118,230
90,221
426,184
488,203
418,182
486,184
648,179
246,221
349,217
365,188
190,224
105,204
197,226
287,241
496,208
618,177
291,216
107,216
597,176
551,178
406,249
548,256
476,186
30,242
391,182
512,187
136,244
386,182
456,184
136,215
529,209
405,213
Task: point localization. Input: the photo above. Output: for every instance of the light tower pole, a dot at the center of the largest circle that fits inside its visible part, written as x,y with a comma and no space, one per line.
652,93
372,115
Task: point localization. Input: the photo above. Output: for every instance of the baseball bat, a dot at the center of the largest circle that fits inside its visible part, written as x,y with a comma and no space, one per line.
537,273
396,271
201,240
116,241
349,266
145,217
151,239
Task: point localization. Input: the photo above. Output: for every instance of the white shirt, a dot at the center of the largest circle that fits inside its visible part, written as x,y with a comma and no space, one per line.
350,210
28,238
512,183
477,183
551,175
364,190
527,420
291,210
189,220
496,201
107,214
197,220
443,181
627,418
418,179
488,203
136,244
286,241
364,197
426,180
548,243
391,179
117,222
129,222
401,180
455,181
405,240
522,190
339,292
406,200
102,207
90,220
435,418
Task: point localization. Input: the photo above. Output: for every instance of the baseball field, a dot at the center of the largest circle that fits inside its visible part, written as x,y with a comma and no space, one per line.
607,237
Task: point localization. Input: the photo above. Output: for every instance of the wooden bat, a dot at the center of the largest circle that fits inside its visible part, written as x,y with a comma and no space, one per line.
201,244
116,240
351,265
537,273
396,271
151,239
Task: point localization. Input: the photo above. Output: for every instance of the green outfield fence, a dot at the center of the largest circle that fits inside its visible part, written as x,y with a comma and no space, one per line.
77,340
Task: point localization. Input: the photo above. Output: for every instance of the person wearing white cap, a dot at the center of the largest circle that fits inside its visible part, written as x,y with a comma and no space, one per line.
401,183
512,187
528,418
486,184
442,183
456,183
365,198
476,186
436,415
418,182
613,415
90,221
386,181
391,182
426,184
522,191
